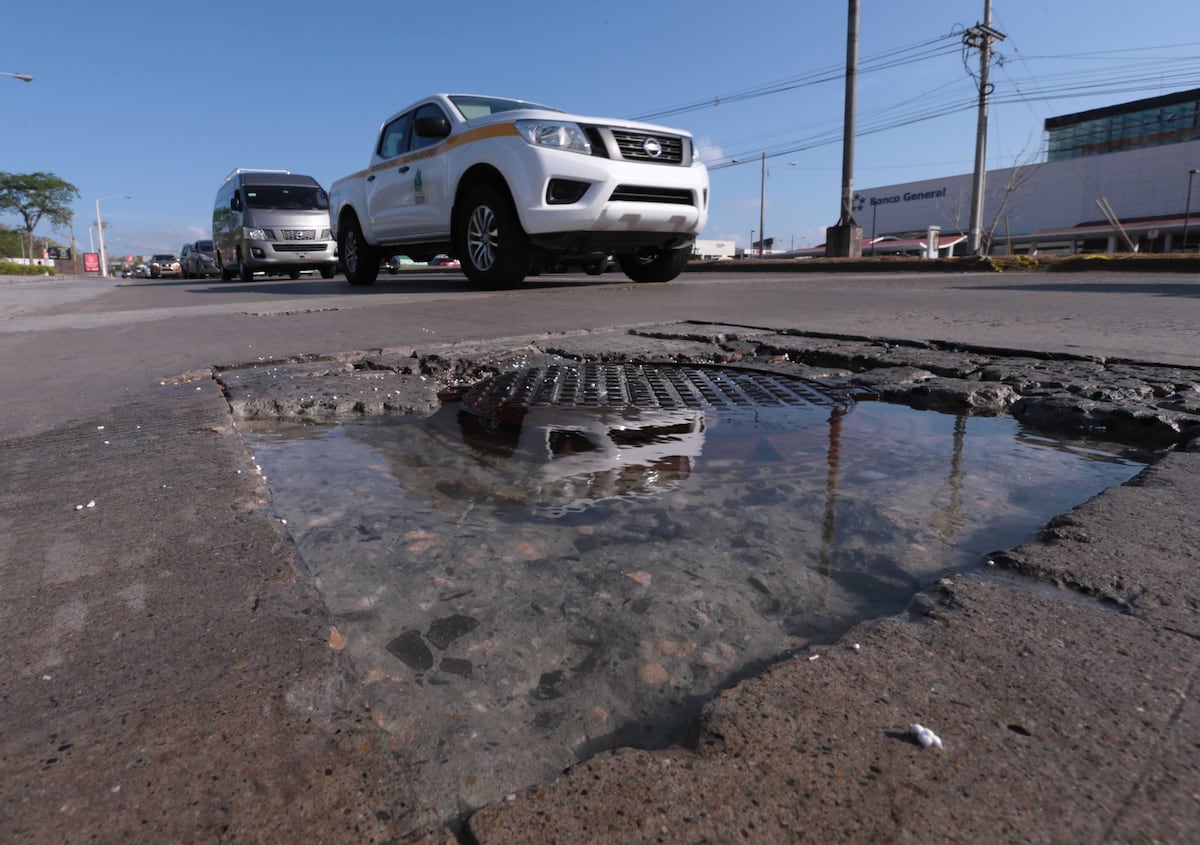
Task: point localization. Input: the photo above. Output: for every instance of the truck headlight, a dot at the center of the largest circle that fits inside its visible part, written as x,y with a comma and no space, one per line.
254,234
557,134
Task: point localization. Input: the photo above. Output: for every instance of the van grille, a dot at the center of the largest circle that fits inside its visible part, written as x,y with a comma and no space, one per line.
305,247
298,234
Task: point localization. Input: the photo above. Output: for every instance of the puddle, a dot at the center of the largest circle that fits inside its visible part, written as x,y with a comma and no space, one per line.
520,590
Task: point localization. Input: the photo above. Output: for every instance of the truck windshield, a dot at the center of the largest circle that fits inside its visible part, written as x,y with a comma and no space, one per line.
471,107
286,196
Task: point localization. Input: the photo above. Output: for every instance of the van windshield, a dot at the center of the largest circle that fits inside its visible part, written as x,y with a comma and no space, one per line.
287,196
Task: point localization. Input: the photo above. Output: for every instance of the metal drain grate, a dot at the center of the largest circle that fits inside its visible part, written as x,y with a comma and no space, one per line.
644,386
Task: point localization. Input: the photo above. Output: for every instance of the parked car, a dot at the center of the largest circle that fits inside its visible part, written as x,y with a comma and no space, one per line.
142,271
196,260
393,264
164,265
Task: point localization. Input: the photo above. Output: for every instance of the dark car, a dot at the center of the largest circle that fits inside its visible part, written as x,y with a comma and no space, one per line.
162,265
196,260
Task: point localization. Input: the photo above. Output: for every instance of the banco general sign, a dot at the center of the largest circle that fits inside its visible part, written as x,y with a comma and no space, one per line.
861,202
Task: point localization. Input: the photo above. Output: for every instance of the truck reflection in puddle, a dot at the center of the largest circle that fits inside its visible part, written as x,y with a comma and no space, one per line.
572,458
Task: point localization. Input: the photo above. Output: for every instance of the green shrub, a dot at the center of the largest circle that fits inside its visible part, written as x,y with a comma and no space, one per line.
10,268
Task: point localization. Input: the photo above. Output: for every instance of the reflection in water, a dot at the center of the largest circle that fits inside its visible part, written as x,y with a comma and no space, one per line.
948,519
829,524
572,458
516,594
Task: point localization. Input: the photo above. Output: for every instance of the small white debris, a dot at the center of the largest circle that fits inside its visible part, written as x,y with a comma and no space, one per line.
991,562
99,428
510,797
814,657
856,647
283,522
79,507
92,503
116,789
45,677
105,442
925,736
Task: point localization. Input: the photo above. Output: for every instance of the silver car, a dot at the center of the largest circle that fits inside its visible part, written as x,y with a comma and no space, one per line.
197,261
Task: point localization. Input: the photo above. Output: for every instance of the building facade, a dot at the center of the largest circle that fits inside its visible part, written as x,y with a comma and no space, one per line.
1115,179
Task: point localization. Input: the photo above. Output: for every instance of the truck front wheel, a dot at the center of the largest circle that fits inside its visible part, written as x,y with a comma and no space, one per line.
656,266
358,258
493,248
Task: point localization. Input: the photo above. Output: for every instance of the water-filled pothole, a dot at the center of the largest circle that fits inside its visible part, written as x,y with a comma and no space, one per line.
527,577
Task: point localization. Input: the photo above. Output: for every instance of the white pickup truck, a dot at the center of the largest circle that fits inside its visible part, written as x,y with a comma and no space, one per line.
508,186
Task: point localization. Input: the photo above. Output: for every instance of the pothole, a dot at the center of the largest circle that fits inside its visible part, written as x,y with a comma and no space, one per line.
569,559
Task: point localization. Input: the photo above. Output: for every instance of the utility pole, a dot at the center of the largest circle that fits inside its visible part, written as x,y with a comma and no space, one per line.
762,203
981,37
1187,211
845,239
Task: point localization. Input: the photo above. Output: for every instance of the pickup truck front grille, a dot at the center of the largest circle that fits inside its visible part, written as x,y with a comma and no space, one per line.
304,247
642,146
642,193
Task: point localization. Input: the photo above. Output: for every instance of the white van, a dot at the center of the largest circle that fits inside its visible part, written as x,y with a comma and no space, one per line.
273,222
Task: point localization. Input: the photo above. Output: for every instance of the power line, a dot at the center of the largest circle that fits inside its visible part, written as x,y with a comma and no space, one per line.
897,57
876,122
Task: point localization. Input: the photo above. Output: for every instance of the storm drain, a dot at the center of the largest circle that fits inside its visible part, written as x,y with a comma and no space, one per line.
643,386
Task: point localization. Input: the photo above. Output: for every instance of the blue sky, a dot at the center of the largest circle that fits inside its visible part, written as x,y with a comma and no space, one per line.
160,100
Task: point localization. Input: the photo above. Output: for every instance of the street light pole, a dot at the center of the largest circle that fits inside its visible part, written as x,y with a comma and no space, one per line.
751,240
1187,211
100,233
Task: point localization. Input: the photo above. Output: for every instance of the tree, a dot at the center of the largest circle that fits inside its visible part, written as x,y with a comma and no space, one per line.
37,196
1020,173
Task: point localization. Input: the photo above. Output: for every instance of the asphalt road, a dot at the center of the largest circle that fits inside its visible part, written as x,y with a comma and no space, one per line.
173,678
71,347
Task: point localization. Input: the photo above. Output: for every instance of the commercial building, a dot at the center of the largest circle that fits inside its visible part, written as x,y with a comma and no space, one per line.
1115,179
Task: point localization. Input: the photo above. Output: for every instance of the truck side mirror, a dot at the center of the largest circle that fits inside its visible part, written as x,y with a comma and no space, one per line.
431,127
235,204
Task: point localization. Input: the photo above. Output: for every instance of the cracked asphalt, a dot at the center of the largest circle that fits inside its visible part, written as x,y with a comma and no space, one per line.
170,675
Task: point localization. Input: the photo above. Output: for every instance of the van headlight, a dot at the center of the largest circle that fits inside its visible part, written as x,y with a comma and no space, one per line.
254,234
554,133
